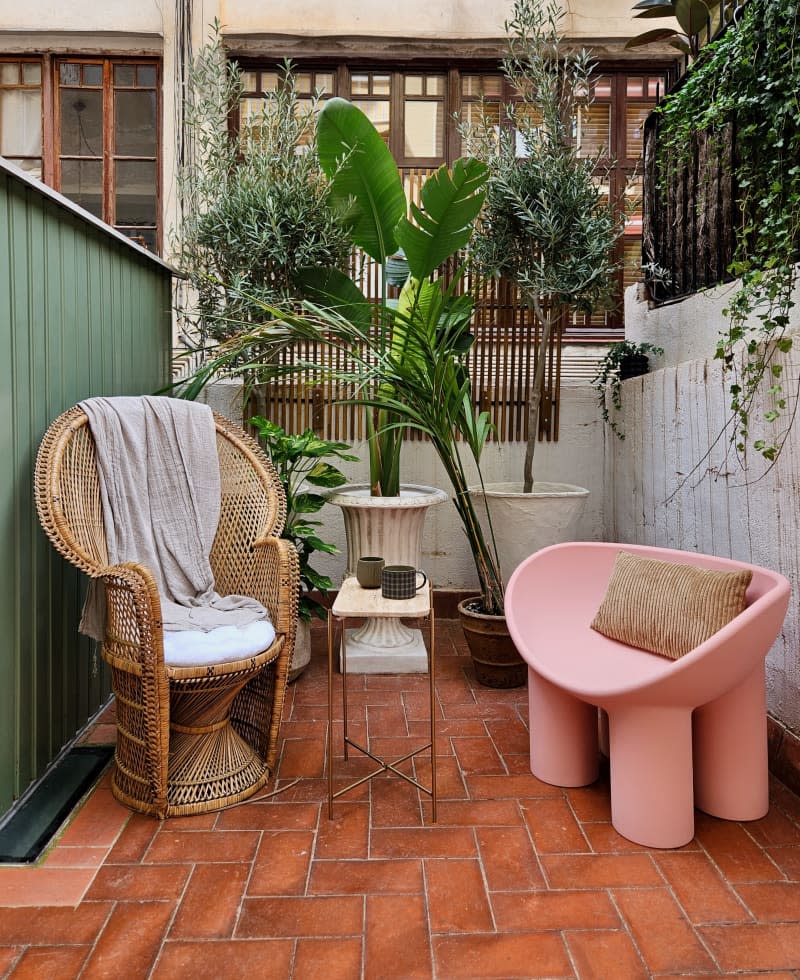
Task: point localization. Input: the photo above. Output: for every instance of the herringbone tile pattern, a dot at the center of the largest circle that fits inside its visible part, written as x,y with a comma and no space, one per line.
517,879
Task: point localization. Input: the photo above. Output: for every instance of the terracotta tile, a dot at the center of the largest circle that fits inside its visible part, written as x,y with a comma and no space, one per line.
327,959
754,947
553,827
8,956
774,902
520,912
128,883
665,939
53,926
197,821
136,837
98,821
600,955
211,960
211,902
347,835
282,863
320,916
501,957
450,783
43,886
591,802
775,828
757,976
432,841
511,737
59,962
130,941
604,839
396,803
481,813
388,720
457,900
101,735
599,871
508,859
172,847
513,787
478,756
702,892
82,856
732,849
787,859
303,757
271,815
396,942
364,877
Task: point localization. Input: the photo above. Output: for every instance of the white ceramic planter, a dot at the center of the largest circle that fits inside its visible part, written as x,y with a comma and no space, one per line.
391,528
525,522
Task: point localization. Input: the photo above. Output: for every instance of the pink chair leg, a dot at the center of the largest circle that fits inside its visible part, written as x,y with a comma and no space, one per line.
563,735
730,752
651,774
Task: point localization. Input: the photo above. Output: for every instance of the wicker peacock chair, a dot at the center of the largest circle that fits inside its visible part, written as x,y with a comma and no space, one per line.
189,739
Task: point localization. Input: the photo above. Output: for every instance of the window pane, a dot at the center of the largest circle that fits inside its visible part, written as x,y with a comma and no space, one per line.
81,123
635,87
9,73
135,187
602,87
381,84
250,110
435,85
82,182
359,84
323,82
269,81
135,124
424,130
70,74
146,76
250,80
378,113
635,116
632,262
146,237
594,130
124,75
20,122
93,75
413,85
655,87
474,86
31,74
303,82
31,167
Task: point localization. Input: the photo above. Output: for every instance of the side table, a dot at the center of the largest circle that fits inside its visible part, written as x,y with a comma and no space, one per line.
353,601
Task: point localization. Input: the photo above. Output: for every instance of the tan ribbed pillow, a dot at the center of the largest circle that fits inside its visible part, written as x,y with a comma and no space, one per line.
666,607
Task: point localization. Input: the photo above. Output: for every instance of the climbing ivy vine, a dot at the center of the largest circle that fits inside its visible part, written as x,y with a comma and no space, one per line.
747,82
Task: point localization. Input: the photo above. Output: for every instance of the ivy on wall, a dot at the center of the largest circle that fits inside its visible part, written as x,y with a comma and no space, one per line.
749,78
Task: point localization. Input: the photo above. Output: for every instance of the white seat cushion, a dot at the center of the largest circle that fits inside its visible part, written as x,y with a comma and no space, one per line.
195,648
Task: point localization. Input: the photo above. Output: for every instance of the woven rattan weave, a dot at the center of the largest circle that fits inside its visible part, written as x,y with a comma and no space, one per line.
189,739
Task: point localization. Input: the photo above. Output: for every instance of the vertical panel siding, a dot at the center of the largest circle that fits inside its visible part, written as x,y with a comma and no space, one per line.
81,313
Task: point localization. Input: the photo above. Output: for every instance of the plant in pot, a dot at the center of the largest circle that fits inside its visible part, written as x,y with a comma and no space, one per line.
302,463
621,361
547,228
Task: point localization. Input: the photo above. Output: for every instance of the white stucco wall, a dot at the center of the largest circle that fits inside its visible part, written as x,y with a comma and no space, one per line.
671,484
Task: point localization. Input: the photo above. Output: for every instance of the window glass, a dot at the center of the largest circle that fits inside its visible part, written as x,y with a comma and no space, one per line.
381,84
93,75
9,73
146,76
303,82
635,88
31,74
20,122
135,123
135,184
378,113
413,85
424,129
434,85
124,75
594,130
635,116
602,87
82,182
70,74
323,82
250,81
359,84
81,123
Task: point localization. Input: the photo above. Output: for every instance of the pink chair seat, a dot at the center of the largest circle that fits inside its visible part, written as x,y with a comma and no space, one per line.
684,733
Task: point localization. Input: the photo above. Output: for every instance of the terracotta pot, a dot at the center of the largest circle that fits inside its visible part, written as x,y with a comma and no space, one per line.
494,656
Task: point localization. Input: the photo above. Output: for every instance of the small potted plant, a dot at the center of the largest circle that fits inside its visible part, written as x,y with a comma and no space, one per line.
621,361
302,463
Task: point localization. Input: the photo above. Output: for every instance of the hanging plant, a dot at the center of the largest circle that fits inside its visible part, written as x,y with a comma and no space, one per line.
747,82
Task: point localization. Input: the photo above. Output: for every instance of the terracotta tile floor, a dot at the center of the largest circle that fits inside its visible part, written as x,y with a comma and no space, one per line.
517,878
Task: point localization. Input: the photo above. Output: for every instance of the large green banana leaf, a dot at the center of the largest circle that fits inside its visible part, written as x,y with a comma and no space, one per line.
365,182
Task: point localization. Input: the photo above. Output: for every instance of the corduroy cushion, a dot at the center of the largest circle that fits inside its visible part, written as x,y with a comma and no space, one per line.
666,607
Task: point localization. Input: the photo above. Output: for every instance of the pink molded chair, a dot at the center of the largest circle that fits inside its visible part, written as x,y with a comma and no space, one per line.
682,733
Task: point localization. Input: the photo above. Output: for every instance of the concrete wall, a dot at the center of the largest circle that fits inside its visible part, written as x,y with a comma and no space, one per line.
578,457
675,482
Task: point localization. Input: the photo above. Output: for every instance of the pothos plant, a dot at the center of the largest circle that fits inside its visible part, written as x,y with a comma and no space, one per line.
748,80
607,382
301,462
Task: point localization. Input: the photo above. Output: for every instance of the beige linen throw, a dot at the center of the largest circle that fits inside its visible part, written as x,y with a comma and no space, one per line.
160,489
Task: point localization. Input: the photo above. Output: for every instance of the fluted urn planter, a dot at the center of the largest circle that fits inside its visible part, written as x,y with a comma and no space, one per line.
389,527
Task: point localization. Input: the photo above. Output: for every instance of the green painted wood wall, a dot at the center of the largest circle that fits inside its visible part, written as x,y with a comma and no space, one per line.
82,312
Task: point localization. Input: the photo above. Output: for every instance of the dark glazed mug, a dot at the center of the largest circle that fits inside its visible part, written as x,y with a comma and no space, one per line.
368,572
400,581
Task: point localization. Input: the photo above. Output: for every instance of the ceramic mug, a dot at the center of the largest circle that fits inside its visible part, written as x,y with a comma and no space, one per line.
368,572
400,581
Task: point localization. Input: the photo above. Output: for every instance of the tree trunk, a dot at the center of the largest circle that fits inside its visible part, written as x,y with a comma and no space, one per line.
537,388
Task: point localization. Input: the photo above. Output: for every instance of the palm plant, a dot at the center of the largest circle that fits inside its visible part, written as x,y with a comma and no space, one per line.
693,16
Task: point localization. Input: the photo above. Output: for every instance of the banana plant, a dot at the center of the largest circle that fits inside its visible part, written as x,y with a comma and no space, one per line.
692,16
367,191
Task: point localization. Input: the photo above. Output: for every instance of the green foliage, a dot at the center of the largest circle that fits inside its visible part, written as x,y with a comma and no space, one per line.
749,78
693,16
301,463
368,193
255,202
608,380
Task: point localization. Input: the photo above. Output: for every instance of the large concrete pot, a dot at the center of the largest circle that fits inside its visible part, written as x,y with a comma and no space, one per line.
391,528
525,522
